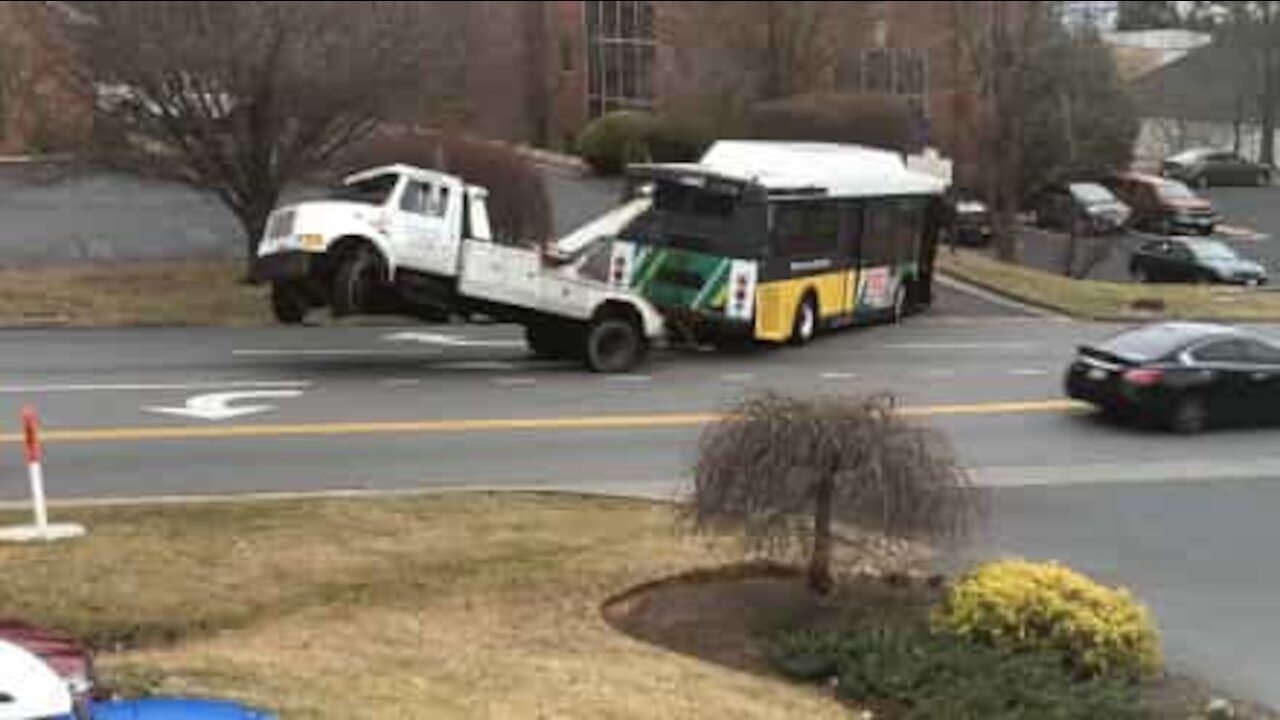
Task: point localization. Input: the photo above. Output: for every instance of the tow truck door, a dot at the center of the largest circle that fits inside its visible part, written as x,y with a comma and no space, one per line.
423,220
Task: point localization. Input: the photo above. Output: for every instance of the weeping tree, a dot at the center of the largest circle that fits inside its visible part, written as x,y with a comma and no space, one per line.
242,98
784,472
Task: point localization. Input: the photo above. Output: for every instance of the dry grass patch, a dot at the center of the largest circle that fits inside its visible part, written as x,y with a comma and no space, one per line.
132,294
1095,300
447,607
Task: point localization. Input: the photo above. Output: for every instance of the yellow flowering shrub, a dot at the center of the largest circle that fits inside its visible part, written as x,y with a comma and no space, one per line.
1023,606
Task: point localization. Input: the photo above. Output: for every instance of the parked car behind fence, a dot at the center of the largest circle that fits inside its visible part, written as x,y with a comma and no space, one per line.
1208,167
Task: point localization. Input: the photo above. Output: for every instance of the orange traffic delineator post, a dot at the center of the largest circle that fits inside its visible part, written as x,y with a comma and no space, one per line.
41,530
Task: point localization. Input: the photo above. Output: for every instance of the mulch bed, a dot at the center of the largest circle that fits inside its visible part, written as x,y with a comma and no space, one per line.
727,616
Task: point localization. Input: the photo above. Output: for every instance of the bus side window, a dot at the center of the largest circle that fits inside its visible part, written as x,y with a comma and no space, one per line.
806,230
851,231
878,236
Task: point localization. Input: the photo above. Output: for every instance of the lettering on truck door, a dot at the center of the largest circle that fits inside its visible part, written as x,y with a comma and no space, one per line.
421,228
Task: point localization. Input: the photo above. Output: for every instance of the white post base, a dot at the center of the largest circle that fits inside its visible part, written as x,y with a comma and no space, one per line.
33,533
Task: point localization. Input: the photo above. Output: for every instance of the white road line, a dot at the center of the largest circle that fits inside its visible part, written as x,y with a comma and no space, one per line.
515,381
476,366
451,340
962,346
634,379
935,374
1029,372
738,378
330,352
401,383
148,387
839,376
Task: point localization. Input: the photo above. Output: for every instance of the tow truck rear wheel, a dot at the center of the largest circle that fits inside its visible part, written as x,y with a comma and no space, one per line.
614,345
288,303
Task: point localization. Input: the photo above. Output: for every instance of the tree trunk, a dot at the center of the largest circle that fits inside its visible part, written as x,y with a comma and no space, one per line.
253,220
820,579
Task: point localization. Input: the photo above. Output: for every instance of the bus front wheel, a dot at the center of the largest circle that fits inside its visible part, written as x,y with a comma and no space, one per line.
805,325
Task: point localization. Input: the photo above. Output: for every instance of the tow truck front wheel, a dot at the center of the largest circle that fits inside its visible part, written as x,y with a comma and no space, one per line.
289,303
354,282
614,345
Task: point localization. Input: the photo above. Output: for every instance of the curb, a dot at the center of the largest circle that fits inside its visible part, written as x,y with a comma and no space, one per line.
998,297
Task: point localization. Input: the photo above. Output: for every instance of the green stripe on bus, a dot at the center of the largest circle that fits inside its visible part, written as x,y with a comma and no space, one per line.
718,279
650,266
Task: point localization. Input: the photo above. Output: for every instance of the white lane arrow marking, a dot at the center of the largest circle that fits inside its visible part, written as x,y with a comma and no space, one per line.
217,406
426,338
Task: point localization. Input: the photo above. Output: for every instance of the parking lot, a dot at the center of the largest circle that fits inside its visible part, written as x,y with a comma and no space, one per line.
1250,222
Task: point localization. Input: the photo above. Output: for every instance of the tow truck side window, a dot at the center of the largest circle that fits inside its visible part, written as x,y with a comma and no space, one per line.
425,199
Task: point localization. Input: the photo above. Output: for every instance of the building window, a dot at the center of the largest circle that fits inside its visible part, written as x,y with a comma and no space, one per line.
902,71
620,55
909,78
878,71
567,55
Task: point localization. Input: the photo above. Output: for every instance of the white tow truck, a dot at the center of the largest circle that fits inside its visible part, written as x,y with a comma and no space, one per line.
402,239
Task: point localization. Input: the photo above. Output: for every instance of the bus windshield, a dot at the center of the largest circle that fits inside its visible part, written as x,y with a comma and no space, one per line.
704,217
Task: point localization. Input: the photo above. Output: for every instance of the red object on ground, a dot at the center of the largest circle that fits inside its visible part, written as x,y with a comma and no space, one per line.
69,658
31,431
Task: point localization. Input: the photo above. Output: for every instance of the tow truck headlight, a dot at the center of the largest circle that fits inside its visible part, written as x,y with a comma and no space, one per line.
311,242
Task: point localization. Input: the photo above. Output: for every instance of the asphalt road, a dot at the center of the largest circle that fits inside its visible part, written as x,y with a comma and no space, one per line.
1185,521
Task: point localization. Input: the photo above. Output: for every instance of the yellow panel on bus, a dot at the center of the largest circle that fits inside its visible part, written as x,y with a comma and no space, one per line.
778,300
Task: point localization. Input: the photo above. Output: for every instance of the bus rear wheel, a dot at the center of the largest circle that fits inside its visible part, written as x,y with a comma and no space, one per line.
805,325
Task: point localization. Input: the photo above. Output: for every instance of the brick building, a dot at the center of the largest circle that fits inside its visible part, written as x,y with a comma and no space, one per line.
616,54
538,71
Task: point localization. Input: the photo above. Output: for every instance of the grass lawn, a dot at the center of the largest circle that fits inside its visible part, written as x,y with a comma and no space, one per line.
1095,300
132,294
467,606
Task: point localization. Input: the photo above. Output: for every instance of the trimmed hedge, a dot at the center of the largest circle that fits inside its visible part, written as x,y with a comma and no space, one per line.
924,675
1046,607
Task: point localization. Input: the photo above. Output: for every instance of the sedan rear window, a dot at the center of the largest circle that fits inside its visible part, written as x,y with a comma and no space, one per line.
1209,250
1170,190
1091,193
1151,343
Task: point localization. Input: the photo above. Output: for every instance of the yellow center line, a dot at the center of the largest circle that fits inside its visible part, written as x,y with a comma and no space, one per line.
408,427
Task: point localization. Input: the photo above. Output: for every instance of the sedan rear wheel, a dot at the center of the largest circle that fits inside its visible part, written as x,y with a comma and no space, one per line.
1190,416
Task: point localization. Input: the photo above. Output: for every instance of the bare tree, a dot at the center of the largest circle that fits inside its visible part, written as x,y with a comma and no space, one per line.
996,43
783,471
731,55
242,98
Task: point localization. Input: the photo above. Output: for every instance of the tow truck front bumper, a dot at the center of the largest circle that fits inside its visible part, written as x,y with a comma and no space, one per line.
284,266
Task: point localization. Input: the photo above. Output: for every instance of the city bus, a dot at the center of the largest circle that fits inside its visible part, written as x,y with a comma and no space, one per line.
776,242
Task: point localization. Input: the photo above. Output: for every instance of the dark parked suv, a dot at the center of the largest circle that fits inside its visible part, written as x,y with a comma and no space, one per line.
1179,260
1163,206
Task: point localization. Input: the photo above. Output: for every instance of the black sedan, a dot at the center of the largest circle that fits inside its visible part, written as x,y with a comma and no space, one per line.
1207,167
1193,260
1183,376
